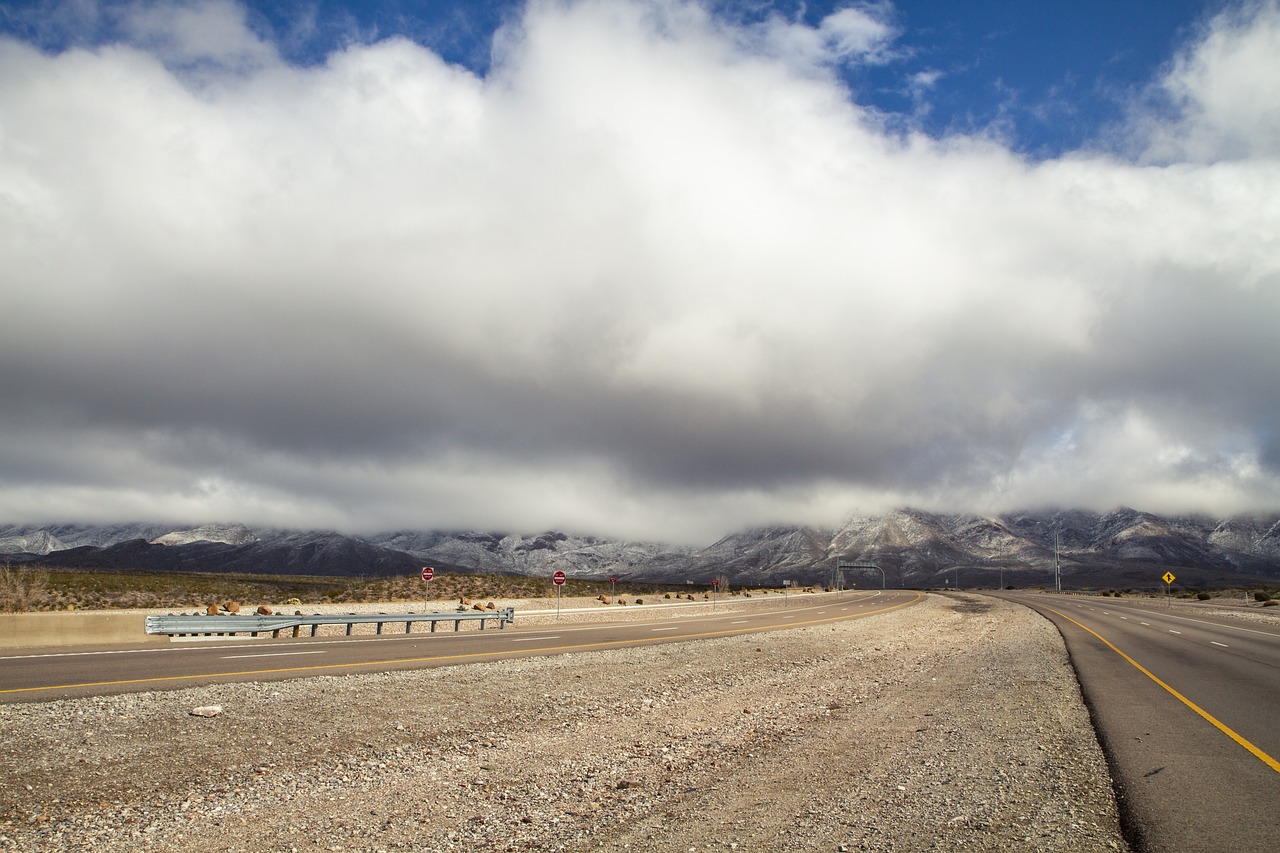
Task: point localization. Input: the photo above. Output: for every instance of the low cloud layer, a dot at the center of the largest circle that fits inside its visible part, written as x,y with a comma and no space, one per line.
656,274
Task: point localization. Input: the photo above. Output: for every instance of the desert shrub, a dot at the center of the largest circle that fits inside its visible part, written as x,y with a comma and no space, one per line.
1261,596
23,589
1203,596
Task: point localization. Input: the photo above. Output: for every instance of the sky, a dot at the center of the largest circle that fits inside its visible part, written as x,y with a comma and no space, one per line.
653,270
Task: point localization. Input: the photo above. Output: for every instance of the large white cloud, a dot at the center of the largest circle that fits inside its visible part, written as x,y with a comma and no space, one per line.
656,274
1218,99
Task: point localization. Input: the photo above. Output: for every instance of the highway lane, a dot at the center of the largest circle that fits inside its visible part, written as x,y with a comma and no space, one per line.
47,675
1187,707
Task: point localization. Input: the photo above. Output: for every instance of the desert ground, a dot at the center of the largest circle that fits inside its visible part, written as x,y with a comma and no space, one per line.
954,724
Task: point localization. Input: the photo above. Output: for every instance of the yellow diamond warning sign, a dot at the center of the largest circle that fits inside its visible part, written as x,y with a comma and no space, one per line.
1168,577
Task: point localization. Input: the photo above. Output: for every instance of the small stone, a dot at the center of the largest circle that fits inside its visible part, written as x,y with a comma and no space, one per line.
206,711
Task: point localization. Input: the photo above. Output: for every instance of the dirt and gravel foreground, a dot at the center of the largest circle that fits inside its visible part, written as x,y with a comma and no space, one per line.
955,724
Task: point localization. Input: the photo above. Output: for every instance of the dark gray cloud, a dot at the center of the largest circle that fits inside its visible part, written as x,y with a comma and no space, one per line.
654,276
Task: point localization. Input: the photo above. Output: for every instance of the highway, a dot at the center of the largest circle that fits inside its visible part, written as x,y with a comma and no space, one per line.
1187,707
44,675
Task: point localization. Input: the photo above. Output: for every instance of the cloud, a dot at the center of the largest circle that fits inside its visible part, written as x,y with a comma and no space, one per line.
196,32
1217,100
860,33
650,276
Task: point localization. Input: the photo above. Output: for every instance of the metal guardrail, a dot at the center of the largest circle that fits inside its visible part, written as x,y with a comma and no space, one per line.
200,625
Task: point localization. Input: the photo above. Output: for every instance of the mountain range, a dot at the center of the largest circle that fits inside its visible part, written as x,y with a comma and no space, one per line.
908,547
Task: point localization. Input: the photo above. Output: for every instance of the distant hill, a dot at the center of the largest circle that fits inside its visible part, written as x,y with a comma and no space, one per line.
1121,548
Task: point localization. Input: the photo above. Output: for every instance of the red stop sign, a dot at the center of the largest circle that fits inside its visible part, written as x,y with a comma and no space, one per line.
428,573
558,579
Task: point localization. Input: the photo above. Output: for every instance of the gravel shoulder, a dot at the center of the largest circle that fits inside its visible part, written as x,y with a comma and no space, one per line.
955,724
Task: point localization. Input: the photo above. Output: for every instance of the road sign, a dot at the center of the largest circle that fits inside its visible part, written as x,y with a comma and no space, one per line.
715,582
428,573
558,579
1168,577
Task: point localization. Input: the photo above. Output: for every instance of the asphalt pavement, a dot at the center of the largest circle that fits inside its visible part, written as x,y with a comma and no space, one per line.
44,675
1187,708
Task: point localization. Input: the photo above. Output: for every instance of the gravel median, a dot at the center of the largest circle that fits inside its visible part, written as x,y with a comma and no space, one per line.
955,724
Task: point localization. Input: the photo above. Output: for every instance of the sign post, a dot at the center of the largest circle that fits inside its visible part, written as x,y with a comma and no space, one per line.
715,584
1168,578
613,585
558,580
427,574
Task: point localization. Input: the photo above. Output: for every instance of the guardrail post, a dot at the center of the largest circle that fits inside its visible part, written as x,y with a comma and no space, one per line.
276,624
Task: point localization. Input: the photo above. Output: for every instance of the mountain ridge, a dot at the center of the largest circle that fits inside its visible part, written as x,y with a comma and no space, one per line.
913,547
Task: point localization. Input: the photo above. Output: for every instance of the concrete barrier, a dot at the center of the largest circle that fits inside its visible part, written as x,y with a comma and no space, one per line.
37,630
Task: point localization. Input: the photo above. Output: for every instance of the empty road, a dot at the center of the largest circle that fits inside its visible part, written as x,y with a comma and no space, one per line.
1187,707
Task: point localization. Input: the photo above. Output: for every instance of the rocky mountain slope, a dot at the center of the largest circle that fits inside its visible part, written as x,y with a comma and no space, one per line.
1124,547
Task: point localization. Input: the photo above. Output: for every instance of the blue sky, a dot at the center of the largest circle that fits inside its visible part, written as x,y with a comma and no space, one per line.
642,268
1049,77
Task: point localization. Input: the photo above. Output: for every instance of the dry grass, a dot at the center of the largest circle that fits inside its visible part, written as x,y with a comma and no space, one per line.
22,588
33,588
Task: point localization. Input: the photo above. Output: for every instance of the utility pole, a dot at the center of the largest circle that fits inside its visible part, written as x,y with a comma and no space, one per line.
1057,578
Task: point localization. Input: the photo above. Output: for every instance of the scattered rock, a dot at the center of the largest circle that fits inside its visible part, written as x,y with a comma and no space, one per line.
616,750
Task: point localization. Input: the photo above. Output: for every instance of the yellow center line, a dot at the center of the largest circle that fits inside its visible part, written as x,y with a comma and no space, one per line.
1222,727
463,656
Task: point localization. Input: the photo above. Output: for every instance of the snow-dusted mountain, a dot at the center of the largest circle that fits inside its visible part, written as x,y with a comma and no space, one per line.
59,537
540,554
1124,547
228,534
